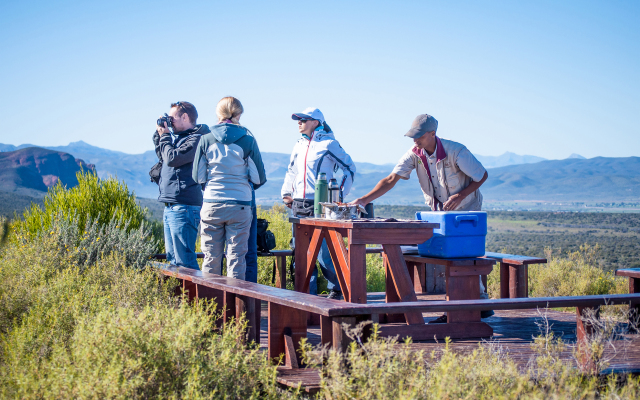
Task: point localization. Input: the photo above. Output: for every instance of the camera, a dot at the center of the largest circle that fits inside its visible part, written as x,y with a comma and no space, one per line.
165,118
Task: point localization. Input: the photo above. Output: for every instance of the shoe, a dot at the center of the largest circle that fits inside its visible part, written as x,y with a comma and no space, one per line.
440,320
486,314
335,295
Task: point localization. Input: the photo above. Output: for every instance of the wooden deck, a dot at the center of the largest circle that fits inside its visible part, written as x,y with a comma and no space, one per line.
513,333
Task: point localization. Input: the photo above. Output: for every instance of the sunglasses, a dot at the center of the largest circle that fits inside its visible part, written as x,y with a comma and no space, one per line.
303,120
179,104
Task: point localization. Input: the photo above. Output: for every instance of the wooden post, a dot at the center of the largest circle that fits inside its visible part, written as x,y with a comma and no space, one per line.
229,306
402,280
281,272
340,326
584,329
358,273
247,306
391,295
504,280
284,321
634,310
326,331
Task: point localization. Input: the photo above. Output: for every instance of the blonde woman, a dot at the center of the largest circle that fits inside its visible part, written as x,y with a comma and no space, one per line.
228,162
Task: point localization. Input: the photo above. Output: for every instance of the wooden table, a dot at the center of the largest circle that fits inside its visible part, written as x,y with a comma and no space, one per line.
350,264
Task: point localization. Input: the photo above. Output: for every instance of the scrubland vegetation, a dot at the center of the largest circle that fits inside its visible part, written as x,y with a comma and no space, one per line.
82,315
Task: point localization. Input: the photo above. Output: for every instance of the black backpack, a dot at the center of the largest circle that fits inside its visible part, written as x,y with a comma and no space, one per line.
266,238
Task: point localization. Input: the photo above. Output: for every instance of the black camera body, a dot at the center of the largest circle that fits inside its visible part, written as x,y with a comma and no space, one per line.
165,119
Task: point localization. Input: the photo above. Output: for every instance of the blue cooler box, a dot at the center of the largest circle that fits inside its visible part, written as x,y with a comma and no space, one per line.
461,234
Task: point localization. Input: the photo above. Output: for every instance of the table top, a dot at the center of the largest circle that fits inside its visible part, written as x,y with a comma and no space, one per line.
363,223
515,259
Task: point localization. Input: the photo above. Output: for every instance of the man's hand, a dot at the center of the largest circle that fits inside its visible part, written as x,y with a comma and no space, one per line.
453,203
288,201
162,129
359,202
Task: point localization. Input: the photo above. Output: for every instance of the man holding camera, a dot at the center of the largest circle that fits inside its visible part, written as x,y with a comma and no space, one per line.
181,195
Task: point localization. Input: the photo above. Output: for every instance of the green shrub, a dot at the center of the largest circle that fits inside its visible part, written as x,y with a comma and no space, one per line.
93,198
381,368
576,274
164,352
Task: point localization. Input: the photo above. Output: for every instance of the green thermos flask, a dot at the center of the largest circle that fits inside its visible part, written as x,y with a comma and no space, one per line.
320,195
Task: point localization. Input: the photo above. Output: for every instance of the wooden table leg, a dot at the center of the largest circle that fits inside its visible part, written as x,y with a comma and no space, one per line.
402,280
584,329
312,256
358,273
517,281
339,256
391,296
463,288
303,239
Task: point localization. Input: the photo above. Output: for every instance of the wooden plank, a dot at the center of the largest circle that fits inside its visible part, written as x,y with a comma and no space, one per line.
472,261
291,357
257,307
339,326
515,259
339,253
357,273
470,270
312,256
402,281
437,331
630,272
284,321
418,276
482,304
504,280
303,239
247,306
413,235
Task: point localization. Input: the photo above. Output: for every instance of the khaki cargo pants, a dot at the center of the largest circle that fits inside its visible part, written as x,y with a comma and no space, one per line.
224,223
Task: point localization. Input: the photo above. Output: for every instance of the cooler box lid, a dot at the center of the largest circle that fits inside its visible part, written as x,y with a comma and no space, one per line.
456,223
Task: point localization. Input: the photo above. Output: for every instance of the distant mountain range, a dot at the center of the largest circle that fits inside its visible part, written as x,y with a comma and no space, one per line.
32,170
511,176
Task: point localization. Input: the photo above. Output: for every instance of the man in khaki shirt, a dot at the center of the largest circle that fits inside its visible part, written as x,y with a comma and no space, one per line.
449,175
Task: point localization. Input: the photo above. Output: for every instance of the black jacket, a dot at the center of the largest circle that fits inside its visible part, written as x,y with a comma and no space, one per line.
176,184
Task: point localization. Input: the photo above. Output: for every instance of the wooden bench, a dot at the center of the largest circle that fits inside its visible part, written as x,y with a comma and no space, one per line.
287,311
514,273
634,287
280,266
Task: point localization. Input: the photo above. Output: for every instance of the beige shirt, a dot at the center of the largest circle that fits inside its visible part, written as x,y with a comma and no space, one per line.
455,169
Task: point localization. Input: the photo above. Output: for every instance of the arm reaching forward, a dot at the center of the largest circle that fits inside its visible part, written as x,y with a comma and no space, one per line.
381,188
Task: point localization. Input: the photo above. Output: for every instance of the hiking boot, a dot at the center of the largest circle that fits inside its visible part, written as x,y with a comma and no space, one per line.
335,295
486,313
440,320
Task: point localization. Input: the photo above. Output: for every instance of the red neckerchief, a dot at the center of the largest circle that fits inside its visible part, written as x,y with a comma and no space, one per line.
440,155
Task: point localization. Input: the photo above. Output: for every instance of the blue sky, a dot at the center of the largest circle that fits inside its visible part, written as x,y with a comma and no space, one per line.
545,78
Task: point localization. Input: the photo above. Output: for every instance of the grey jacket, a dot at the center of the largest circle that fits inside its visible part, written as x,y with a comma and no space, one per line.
226,160
176,183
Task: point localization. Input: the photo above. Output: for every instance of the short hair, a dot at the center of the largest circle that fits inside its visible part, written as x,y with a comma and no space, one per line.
229,108
186,107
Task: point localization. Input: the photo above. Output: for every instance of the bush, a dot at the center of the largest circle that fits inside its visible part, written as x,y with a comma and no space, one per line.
157,352
381,368
576,274
92,199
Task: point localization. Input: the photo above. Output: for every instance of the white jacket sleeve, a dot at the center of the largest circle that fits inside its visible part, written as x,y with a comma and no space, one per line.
344,161
290,177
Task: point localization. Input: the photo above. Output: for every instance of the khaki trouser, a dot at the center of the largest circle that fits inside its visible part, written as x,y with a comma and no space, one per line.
225,223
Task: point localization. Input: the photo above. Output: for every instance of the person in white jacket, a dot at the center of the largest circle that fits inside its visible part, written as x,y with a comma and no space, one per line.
316,152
